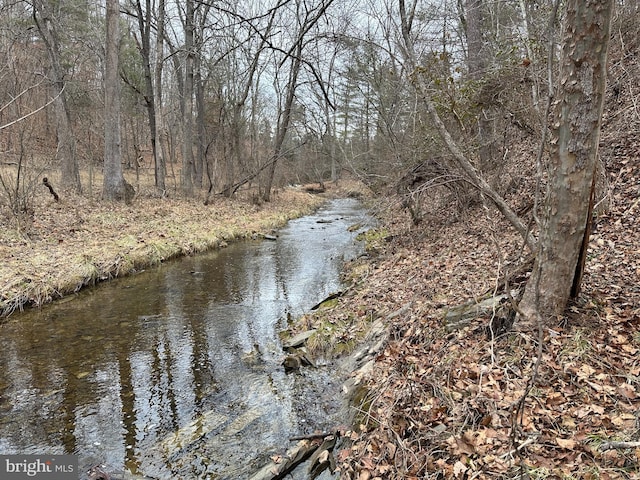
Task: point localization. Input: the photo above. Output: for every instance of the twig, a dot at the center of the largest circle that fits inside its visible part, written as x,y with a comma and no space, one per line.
312,436
526,443
611,445
27,115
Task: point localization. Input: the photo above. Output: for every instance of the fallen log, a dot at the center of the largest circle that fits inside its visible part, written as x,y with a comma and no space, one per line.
498,307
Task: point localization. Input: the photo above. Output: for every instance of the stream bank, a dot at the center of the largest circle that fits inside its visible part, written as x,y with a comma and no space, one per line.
177,372
66,246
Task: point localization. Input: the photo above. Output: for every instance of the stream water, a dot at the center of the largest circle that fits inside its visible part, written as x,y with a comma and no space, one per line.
176,373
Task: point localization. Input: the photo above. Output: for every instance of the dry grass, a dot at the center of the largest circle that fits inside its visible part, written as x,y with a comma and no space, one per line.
57,248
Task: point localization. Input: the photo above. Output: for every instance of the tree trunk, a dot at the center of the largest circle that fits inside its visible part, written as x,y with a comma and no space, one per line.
573,157
161,150
114,185
201,130
66,152
477,64
144,25
188,170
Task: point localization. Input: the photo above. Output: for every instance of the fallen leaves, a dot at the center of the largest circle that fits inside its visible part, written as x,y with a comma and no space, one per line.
447,400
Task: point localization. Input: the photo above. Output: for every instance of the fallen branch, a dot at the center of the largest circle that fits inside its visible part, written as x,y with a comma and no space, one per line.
311,436
618,445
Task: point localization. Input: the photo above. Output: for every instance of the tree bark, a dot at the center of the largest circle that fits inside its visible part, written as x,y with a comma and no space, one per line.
114,185
188,166
575,131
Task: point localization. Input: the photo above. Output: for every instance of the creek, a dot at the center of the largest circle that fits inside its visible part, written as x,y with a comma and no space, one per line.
176,373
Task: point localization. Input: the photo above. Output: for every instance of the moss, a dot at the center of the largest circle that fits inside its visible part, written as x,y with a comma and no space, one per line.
374,238
362,400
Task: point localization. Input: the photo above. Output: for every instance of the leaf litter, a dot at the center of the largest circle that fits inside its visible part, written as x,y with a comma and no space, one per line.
451,404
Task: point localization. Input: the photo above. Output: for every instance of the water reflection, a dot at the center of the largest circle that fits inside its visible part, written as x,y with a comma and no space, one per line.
175,373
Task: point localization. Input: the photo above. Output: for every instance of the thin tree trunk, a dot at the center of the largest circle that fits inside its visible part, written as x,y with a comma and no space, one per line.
161,149
188,167
66,152
200,125
573,157
535,98
144,25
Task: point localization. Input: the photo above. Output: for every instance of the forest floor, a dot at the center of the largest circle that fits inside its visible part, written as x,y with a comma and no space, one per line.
61,247
472,402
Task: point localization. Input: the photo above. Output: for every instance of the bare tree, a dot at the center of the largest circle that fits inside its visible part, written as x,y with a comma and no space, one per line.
144,17
188,160
46,23
160,152
461,160
114,185
564,232
308,16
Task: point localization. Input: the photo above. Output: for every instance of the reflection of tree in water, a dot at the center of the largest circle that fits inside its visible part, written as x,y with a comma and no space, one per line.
187,352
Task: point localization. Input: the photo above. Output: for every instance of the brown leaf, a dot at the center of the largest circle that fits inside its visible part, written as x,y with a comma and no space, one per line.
459,469
364,475
627,391
567,443
464,446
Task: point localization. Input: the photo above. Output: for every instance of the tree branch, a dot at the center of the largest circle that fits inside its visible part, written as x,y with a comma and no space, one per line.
17,120
463,163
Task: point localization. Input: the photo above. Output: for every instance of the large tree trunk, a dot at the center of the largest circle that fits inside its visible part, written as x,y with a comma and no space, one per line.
573,157
66,152
114,185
